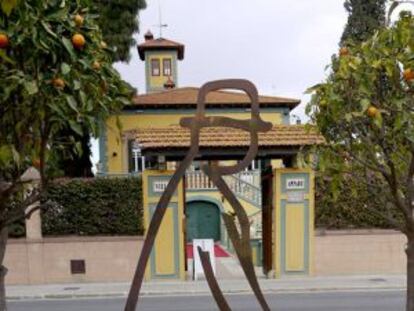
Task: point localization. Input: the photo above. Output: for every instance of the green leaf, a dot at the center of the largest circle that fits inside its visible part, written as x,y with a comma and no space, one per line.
4,56
72,102
8,5
65,68
5,155
89,105
69,47
82,96
31,87
76,85
378,120
78,148
76,127
48,30
313,88
365,103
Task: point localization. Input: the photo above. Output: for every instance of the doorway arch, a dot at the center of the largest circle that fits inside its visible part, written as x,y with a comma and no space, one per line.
203,220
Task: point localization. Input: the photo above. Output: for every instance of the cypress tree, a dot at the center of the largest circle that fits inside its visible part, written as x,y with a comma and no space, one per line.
365,17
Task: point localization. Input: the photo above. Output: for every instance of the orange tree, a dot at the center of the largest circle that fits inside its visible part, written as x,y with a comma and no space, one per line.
365,110
55,73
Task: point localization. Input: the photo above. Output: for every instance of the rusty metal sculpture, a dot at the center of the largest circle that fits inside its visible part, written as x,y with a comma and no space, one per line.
241,241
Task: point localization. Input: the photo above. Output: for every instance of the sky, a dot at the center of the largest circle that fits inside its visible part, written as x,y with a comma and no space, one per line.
283,47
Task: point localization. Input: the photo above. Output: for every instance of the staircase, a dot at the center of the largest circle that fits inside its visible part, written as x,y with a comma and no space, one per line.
245,185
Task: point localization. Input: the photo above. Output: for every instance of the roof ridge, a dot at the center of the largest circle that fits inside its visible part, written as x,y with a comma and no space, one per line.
227,92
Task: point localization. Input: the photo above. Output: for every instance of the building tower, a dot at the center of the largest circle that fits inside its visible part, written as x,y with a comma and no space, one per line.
160,56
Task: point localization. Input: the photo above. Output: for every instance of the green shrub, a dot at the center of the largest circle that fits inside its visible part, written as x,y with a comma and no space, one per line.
99,206
354,207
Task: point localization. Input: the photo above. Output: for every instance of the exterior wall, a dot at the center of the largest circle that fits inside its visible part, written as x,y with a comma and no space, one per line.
44,261
167,256
293,223
113,259
156,83
360,252
114,155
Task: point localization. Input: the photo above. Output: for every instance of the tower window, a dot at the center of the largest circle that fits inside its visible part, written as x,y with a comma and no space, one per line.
166,66
155,67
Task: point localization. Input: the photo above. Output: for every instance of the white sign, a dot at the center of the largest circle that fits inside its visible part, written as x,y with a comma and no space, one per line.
295,196
206,245
295,183
159,185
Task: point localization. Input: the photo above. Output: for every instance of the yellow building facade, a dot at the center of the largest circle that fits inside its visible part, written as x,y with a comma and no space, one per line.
156,115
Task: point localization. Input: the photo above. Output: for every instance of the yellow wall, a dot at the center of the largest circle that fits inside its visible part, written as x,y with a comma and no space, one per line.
165,243
158,81
119,163
294,222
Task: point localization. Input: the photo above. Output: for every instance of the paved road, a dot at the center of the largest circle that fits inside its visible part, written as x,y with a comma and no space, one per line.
334,301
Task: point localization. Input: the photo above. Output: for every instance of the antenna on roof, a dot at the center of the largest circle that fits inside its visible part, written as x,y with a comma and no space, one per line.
160,24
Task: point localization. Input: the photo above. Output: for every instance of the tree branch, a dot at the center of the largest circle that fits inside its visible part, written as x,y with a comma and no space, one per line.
20,210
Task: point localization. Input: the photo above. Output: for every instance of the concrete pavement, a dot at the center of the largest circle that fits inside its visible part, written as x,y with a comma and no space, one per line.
315,301
285,285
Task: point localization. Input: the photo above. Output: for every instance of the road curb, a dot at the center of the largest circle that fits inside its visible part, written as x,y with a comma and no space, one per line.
61,296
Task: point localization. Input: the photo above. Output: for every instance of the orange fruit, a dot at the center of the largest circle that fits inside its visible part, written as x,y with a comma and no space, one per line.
58,83
4,41
372,111
78,41
96,65
343,51
408,74
78,20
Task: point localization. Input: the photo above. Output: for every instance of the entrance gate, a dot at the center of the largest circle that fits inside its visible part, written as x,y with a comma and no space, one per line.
287,224
203,221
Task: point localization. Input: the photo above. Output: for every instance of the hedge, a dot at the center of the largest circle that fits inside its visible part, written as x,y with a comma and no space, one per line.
113,206
98,206
353,208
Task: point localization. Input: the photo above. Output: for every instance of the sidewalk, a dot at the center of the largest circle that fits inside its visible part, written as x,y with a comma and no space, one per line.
286,285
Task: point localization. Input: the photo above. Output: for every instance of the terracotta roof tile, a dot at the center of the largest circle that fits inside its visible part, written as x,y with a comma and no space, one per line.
160,44
216,137
187,96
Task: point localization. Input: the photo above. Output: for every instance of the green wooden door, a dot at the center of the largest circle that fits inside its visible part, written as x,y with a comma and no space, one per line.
203,221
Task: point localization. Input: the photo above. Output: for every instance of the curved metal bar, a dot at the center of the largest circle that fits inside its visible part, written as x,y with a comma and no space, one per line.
241,242
253,126
156,220
195,124
211,280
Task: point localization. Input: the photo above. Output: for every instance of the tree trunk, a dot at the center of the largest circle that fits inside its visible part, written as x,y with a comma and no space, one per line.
410,273
3,270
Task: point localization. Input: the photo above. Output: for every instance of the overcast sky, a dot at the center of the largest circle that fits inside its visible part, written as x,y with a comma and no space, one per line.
281,46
